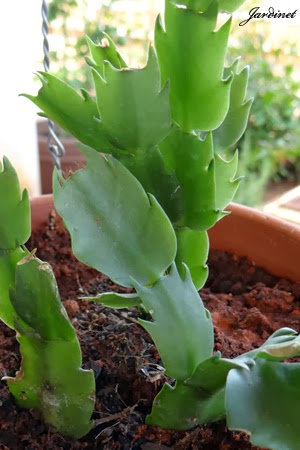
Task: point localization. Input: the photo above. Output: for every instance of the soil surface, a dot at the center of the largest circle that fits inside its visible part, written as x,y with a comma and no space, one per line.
247,305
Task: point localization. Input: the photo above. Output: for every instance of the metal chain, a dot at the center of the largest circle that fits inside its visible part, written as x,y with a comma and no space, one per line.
54,144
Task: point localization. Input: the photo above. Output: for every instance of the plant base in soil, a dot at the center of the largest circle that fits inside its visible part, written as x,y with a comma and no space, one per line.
247,306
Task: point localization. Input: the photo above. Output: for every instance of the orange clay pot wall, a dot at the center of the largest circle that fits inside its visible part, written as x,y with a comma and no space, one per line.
269,242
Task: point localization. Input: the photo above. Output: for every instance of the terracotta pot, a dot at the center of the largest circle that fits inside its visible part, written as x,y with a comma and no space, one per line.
271,243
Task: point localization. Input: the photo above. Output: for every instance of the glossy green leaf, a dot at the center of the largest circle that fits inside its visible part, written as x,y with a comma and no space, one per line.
149,168
134,110
115,300
226,183
105,51
210,375
50,378
115,227
192,250
192,160
183,407
198,400
235,122
8,264
182,328
75,113
14,209
191,55
264,402
37,302
281,345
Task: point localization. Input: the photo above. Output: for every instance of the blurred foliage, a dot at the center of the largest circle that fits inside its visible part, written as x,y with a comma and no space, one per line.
270,149
74,49
60,9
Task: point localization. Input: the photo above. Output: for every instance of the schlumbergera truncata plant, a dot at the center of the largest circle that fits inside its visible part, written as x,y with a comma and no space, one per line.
50,378
139,212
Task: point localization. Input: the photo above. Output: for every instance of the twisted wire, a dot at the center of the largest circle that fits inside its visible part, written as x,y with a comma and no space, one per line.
54,144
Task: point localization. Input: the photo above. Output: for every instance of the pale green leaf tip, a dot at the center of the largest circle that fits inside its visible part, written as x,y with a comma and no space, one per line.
25,196
8,167
159,25
235,65
285,331
90,62
89,41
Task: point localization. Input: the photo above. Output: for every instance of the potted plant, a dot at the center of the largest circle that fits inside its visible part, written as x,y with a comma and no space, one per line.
140,211
50,378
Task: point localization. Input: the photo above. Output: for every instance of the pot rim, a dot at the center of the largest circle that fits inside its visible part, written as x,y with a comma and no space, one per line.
268,241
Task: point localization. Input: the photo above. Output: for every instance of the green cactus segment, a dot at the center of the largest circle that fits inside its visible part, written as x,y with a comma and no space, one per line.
192,249
75,113
115,300
191,55
134,111
226,183
37,303
119,231
8,264
220,387
281,345
196,401
211,374
177,311
50,378
149,168
106,51
228,6
235,122
190,407
14,209
192,160
264,402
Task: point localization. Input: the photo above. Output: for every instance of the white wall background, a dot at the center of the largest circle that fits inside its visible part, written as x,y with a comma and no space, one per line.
20,50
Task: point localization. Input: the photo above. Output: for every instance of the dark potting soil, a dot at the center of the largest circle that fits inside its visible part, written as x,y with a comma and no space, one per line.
247,305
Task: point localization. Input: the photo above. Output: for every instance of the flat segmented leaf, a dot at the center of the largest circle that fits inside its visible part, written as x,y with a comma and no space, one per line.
264,402
226,181
134,110
115,300
75,113
192,250
8,265
149,168
281,345
50,378
235,122
192,160
182,328
191,55
14,209
198,400
190,407
115,227
105,51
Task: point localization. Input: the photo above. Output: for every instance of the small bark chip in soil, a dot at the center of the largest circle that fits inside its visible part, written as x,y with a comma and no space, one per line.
247,305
